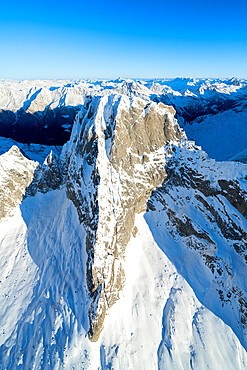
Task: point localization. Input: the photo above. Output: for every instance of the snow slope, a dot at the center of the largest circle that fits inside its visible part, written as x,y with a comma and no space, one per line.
157,323
223,135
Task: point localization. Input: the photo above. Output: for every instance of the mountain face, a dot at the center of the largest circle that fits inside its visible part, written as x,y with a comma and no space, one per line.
125,249
121,162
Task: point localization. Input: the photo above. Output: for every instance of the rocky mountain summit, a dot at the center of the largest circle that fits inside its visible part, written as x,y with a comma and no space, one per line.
120,144
128,249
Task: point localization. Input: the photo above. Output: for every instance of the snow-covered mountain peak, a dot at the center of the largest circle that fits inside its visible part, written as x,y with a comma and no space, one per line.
114,159
128,249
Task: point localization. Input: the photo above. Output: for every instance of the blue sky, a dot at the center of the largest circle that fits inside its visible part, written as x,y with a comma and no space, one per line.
110,39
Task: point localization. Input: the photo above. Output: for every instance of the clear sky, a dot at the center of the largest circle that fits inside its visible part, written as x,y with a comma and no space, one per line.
110,39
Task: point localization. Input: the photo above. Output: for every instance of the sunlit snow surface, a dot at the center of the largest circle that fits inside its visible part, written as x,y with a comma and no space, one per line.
157,323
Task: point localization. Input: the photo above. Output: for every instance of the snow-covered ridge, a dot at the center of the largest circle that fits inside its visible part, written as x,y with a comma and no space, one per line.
133,245
35,152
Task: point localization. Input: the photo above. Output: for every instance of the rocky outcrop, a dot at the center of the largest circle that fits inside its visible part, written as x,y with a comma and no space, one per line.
46,176
16,173
114,159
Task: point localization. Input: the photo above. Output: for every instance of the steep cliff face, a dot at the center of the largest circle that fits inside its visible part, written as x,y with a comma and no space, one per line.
115,158
132,230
